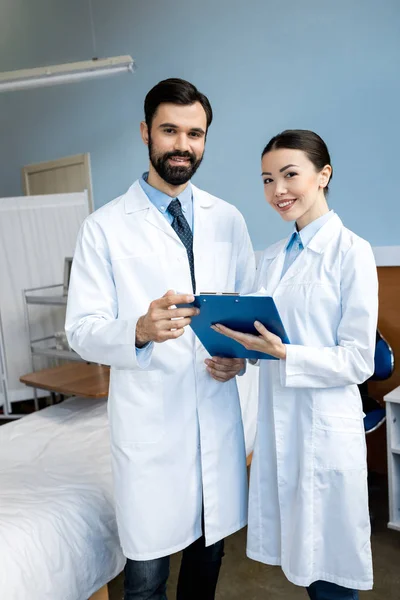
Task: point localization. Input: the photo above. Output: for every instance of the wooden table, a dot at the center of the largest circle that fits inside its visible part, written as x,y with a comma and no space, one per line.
101,594
74,379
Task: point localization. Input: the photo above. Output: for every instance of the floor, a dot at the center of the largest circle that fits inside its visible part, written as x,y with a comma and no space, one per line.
244,579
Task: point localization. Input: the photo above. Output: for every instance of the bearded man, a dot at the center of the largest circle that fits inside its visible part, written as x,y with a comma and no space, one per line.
178,453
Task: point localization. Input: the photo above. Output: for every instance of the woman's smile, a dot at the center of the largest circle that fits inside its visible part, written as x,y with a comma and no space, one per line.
285,205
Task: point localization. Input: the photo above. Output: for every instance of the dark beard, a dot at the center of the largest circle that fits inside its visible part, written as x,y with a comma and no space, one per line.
174,175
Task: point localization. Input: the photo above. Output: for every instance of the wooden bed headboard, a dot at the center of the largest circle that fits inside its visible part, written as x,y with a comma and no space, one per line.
389,326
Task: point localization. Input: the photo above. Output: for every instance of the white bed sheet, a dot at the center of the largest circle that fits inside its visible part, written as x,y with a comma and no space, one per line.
58,533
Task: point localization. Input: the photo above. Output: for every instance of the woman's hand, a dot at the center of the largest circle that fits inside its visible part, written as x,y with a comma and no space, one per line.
266,342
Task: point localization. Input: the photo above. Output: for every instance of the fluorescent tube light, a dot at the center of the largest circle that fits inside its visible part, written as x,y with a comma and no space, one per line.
66,73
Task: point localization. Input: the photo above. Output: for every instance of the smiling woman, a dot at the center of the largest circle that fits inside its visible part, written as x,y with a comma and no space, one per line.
296,171
308,506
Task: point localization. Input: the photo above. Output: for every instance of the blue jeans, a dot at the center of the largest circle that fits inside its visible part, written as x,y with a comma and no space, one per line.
323,590
198,576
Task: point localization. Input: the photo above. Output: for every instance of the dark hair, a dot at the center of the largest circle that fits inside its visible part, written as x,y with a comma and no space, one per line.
174,91
307,141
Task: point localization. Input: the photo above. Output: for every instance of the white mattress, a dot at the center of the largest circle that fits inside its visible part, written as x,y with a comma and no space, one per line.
58,534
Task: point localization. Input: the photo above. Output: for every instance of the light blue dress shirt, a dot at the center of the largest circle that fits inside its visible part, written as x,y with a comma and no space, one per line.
300,239
161,201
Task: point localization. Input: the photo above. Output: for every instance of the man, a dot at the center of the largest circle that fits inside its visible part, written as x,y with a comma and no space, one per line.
177,439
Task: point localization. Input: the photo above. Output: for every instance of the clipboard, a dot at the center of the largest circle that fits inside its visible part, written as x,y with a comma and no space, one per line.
236,312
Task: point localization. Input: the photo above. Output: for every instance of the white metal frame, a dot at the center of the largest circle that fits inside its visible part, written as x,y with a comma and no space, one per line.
392,401
7,408
35,345
30,297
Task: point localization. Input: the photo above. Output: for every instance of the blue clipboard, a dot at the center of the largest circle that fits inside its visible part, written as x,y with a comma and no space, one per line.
236,312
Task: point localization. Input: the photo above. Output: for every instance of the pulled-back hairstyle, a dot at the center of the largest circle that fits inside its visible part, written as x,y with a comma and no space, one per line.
174,91
307,141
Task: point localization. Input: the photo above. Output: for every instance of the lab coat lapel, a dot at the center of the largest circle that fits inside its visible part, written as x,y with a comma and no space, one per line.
203,228
137,201
276,254
203,231
317,245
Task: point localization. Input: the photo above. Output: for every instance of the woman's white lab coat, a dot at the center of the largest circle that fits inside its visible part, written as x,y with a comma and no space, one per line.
308,489
176,433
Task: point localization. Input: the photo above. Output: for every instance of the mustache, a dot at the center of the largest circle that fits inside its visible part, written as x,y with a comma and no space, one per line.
180,154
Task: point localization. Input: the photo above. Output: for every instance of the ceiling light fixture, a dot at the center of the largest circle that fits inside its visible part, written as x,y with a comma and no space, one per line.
65,73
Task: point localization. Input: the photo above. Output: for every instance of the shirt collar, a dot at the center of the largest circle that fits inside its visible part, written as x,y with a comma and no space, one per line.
161,200
308,232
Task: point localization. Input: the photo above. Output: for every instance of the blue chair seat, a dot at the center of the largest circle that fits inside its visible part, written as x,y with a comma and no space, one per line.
384,359
374,419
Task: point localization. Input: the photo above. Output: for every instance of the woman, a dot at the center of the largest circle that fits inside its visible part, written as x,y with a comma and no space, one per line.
308,508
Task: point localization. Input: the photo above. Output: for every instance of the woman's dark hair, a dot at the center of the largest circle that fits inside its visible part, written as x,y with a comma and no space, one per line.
174,91
307,141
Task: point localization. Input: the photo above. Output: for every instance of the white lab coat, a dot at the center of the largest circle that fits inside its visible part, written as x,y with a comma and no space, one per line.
308,507
175,432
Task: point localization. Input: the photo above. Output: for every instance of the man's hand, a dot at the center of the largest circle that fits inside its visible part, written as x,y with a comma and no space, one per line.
224,369
157,325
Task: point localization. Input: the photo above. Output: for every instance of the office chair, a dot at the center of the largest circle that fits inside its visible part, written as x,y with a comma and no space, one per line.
375,414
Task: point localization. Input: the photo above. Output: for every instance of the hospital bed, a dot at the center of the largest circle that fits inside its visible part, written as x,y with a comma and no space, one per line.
58,533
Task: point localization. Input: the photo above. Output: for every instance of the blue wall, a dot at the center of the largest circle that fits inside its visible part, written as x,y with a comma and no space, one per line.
266,65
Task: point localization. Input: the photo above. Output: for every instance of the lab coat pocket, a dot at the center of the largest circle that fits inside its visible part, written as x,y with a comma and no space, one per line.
137,407
339,442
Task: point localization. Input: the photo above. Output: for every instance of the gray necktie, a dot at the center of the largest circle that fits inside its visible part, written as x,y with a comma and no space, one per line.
183,231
